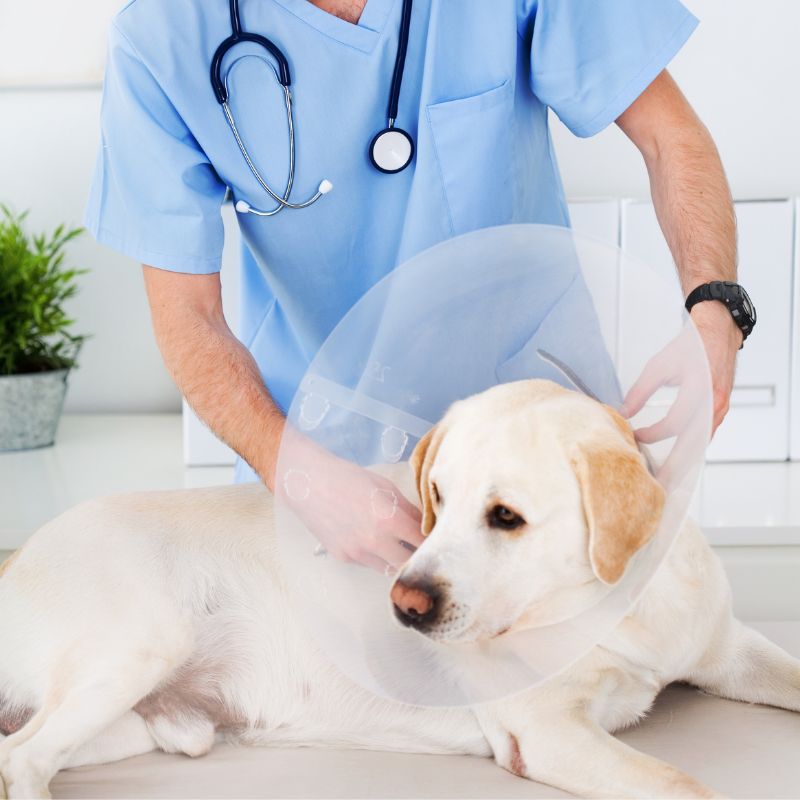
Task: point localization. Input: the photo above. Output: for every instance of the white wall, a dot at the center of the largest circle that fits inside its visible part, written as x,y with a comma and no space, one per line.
740,69
53,43
46,160
49,129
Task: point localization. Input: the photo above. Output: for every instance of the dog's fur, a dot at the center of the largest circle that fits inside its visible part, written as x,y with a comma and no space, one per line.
161,620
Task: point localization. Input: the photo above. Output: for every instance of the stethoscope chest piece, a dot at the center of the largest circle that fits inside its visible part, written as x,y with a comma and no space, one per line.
391,150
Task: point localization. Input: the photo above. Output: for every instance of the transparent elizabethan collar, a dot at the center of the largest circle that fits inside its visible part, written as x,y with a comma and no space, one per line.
493,306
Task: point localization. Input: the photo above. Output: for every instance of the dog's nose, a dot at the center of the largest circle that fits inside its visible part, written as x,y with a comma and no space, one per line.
414,604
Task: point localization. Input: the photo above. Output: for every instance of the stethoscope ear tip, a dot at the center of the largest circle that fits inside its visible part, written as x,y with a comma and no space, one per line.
325,187
242,207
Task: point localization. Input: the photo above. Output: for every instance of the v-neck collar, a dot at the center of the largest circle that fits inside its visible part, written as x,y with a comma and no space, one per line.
362,36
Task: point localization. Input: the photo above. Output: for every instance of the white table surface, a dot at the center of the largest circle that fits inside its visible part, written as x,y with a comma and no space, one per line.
737,504
740,749
94,455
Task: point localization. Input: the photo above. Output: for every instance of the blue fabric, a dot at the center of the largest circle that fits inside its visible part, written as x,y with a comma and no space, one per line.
478,82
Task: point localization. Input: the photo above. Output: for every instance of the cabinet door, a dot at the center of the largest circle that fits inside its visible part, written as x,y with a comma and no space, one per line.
599,219
794,421
757,425
200,446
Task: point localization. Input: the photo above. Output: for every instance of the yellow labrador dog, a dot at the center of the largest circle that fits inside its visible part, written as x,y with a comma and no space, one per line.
160,620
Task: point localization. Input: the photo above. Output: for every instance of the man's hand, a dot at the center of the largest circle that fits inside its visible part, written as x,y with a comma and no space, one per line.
677,365
694,208
357,515
681,366
722,339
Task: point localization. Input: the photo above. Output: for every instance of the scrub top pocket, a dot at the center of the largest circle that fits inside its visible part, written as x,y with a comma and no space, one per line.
473,138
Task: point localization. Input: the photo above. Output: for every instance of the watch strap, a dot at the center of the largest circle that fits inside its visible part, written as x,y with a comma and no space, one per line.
706,291
722,290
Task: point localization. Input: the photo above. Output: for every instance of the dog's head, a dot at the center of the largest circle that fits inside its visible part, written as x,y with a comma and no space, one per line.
534,498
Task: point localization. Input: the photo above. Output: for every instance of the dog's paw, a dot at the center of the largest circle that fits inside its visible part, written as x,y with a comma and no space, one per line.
18,781
27,791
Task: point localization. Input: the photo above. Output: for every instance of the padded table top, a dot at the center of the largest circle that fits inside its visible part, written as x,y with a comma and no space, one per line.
744,751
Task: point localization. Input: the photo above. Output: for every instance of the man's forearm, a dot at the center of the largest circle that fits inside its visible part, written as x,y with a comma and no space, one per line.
694,208
695,211
219,378
687,181
222,383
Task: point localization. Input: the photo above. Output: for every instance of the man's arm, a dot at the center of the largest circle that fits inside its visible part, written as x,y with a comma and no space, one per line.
222,382
694,208
213,370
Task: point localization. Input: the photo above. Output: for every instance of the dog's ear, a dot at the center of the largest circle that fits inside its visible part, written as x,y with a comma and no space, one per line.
622,502
421,462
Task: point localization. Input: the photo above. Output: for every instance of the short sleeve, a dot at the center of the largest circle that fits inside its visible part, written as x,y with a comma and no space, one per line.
590,59
155,197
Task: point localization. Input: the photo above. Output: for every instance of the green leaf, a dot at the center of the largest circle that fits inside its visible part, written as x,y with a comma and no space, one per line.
35,329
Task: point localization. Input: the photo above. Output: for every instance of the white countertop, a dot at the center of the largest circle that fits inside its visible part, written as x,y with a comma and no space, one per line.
94,455
738,504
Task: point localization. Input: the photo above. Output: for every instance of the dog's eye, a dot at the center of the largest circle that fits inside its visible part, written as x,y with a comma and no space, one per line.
503,517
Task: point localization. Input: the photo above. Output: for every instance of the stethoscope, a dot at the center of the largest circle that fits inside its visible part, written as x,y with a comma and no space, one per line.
391,149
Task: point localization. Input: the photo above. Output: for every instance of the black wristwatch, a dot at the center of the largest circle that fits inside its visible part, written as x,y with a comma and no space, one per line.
734,297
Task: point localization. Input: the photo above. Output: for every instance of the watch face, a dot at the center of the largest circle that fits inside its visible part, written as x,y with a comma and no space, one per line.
747,304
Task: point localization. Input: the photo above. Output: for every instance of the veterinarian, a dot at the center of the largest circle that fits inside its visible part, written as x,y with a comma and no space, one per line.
469,148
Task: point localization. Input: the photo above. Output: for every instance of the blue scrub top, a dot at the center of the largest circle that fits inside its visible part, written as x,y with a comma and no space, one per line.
478,82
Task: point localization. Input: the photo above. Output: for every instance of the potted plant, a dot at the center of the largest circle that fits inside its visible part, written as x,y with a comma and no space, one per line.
37,346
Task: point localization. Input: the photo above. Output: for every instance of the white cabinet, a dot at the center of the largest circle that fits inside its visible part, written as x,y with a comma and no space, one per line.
757,426
200,446
794,420
598,218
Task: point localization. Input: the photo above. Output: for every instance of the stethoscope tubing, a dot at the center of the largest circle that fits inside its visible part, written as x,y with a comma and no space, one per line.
399,63
283,202
283,76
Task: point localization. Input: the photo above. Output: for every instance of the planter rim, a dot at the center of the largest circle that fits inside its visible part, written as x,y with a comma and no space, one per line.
48,372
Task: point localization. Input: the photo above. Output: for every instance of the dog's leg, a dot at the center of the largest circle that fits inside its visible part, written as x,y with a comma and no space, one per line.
572,752
78,712
128,736
749,667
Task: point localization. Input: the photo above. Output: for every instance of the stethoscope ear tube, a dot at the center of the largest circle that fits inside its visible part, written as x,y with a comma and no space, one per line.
237,36
220,90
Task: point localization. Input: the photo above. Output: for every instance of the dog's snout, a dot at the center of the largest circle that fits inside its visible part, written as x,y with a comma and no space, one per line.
415,604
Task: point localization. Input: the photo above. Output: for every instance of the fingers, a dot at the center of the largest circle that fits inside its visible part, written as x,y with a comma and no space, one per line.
390,505
412,538
376,563
367,522
379,543
391,550
680,417
356,555
722,404
653,377
671,425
